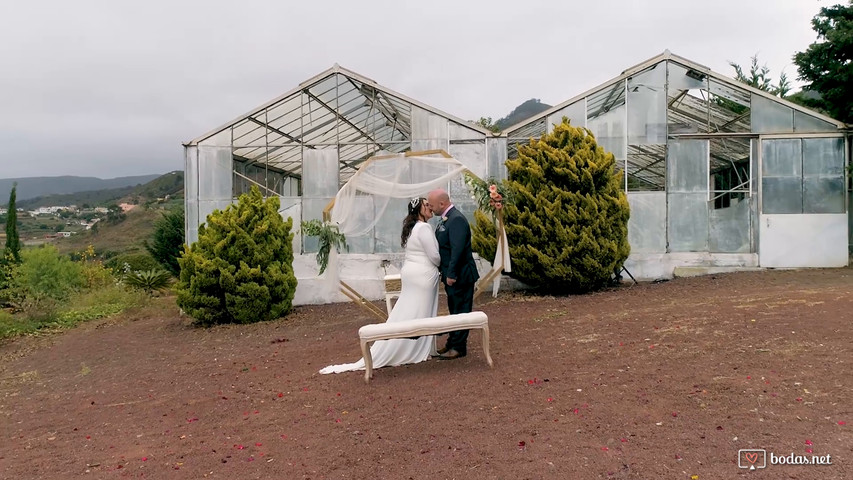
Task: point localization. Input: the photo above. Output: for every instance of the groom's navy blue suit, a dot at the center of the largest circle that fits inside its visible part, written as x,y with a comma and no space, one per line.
457,262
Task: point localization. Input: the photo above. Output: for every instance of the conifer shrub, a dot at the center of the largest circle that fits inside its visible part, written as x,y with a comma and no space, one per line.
241,268
568,224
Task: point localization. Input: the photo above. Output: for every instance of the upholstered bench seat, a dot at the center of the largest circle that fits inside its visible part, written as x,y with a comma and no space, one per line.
419,327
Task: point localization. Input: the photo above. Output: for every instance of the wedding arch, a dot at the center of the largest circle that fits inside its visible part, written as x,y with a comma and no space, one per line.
399,177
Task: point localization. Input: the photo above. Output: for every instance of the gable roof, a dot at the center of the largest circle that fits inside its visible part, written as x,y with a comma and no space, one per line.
667,55
386,102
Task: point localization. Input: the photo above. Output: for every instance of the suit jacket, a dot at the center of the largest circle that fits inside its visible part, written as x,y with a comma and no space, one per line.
454,247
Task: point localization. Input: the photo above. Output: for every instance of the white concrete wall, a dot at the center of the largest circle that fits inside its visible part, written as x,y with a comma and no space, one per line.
654,266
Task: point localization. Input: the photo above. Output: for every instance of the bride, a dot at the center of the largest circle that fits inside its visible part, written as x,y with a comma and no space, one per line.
418,295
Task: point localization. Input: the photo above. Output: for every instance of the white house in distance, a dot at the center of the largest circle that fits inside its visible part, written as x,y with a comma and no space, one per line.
719,175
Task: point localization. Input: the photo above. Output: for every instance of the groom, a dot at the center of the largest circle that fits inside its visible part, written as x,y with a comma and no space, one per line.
458,269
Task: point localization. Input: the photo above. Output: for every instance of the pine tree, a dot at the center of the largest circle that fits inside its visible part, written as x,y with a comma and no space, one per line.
568,225
167,241
241,268
13,241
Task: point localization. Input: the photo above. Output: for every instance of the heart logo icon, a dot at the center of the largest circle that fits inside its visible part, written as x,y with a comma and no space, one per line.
751,457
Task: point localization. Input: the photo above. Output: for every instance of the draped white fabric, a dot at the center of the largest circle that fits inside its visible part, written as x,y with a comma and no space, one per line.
502,262
395,177
386,178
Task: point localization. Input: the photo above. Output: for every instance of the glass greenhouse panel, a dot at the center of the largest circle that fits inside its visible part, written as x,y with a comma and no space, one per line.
576,113
687,166
606,119
729,228
823,175
782,194
687,222
782,158
807,123
647,106
687,100
769,116
320,173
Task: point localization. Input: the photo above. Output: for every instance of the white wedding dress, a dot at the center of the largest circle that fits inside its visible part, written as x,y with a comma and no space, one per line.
418,299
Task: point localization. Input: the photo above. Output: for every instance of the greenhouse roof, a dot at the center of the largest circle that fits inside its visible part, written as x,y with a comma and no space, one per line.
708,104
335,109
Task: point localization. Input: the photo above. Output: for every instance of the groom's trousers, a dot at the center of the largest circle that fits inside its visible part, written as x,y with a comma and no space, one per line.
460,299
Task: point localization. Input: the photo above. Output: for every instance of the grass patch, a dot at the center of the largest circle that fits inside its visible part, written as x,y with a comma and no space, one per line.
91,305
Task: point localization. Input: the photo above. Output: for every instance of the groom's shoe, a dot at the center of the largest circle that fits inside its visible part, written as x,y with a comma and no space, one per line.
450,355
442,350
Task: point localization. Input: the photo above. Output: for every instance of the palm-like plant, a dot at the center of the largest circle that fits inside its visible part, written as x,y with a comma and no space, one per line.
148,280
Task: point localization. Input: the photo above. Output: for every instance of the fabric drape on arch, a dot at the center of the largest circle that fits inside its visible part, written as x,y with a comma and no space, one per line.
397,176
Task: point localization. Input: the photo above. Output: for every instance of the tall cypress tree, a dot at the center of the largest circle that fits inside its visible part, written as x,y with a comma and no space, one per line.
13,241
568,225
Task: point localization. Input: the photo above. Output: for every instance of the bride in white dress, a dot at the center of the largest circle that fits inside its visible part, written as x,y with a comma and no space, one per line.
418,295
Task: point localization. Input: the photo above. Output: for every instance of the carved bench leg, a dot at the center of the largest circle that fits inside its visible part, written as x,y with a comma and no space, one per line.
368,361
486,345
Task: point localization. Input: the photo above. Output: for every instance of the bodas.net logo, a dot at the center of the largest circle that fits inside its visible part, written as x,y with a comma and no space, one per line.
752,458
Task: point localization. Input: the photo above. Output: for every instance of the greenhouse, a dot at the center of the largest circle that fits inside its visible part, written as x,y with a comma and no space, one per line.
719,175
306,144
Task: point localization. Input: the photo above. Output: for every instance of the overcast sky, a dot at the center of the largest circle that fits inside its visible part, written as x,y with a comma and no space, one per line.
111,88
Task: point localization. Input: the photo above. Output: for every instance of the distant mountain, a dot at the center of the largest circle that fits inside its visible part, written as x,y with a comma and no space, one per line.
171,184
31,187
522,112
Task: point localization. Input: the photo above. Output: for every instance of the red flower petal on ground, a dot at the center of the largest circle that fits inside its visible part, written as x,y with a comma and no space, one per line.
623,440
280,394
522,444
799,399
719,427
842,422
809,450
749,377
808,442
674,414
240,447
88,437
550,399
258,444
604,449
621,344
144,459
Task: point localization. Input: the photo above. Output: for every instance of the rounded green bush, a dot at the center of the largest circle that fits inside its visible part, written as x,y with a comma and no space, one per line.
241,268
568,224
137,262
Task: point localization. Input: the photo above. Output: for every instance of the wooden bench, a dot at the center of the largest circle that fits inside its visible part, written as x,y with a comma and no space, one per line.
419,327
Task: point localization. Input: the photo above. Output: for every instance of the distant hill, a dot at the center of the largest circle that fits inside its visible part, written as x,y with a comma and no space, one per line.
31,187
524,111
171,184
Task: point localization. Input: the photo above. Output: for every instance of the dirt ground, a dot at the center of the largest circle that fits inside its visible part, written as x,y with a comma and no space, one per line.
654,381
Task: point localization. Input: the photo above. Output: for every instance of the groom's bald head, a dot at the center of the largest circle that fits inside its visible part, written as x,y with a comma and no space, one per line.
438,200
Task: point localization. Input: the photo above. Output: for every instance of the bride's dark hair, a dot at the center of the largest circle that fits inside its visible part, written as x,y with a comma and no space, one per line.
411,219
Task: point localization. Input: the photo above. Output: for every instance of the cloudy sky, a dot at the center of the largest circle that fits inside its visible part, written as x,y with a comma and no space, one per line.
111,88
